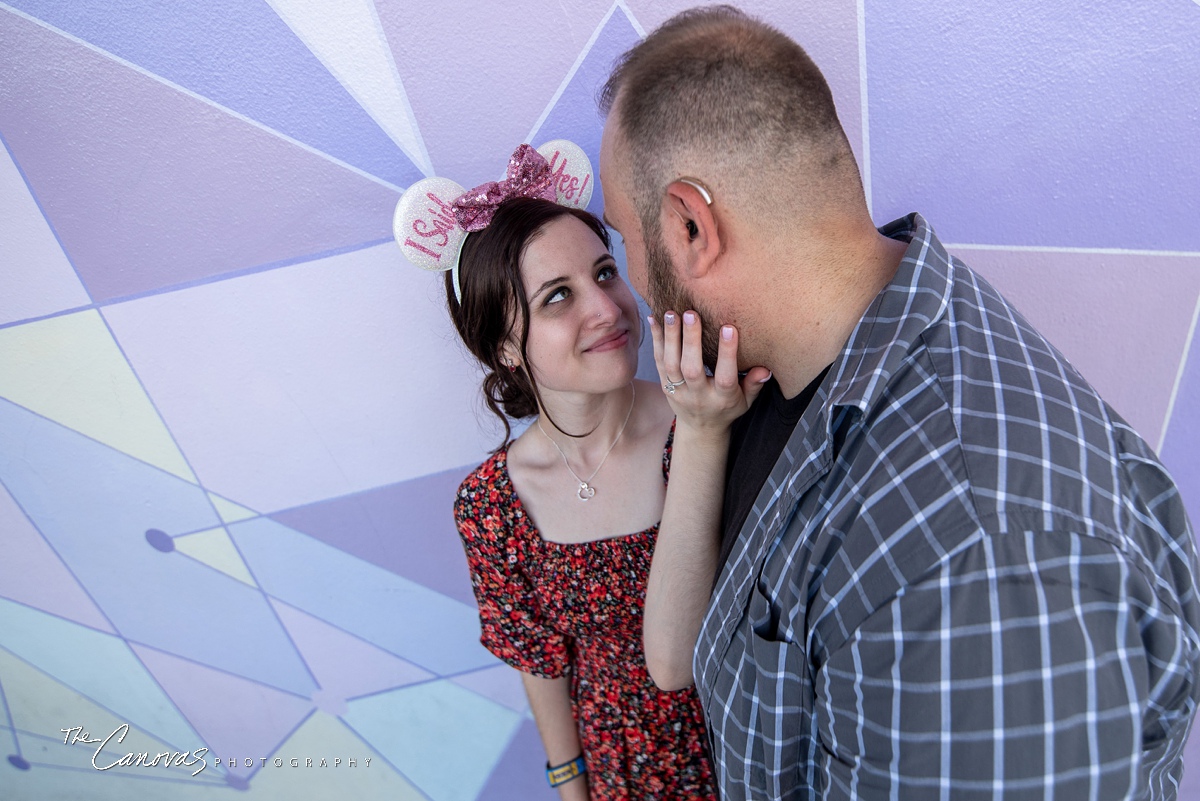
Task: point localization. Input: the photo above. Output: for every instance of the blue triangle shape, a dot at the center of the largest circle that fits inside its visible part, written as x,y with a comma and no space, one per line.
244,57
400,616
109,517
574,115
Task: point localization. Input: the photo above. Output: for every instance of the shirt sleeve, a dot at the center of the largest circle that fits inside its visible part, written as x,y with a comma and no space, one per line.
513,625
1026,664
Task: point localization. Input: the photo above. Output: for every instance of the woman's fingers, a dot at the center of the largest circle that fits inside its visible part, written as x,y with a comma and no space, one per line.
725,373
753,383
671,346
656,340
692,359
679,356
665,339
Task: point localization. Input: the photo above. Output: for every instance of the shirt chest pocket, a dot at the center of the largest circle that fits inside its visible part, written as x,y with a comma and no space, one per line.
784,713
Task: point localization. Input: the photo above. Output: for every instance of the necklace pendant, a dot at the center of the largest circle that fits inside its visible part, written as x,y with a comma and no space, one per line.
586,492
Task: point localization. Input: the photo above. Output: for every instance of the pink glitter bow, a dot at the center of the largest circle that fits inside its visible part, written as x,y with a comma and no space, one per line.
528,176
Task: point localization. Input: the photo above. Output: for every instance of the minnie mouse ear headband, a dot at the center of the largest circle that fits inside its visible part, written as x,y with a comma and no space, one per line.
435,215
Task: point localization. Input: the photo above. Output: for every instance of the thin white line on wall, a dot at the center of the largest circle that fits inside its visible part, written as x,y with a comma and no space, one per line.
1094,251
203,99
862,91
562,87
337,35
637,26
1187,349
412,115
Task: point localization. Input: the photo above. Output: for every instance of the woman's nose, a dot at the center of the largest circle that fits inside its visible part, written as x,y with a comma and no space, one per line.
602,308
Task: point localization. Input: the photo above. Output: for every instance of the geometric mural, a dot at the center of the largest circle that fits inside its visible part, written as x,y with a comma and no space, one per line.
1124,320
233,418
37,278
283,404
1066,124
134,174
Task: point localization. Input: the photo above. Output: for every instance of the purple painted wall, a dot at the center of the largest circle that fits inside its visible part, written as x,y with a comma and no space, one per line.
232,418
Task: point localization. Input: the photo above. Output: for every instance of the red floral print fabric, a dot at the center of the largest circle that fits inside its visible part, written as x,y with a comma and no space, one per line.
557,609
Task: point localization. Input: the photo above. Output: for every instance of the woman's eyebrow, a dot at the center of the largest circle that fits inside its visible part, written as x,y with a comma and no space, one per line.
547,285
561,278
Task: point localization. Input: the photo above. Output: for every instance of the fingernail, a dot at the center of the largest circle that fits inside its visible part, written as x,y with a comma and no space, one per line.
650,320
727,332
669,318
765,380
689,318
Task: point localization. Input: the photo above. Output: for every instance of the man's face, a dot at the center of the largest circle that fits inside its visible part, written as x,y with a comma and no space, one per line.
649,264
665,293
619,214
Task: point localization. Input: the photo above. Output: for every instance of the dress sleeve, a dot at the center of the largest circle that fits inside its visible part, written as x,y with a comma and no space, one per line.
514,626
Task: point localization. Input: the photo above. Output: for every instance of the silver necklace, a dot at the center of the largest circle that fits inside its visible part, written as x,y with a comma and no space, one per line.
586,490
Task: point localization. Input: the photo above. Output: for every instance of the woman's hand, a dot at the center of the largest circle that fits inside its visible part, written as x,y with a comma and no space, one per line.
689,539
699,401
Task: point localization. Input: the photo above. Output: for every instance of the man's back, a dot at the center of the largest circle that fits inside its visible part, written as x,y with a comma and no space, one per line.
965,574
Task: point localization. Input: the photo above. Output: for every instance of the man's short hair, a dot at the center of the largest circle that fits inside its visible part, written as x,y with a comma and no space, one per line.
715,85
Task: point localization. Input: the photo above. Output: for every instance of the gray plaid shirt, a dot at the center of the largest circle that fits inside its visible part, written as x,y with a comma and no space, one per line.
966,576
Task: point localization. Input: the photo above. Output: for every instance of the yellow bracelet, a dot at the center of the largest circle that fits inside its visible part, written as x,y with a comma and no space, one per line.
566,771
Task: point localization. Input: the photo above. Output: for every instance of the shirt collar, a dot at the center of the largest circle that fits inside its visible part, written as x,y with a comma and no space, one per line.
913,300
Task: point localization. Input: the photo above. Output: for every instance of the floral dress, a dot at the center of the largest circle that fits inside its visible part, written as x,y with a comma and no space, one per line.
575,609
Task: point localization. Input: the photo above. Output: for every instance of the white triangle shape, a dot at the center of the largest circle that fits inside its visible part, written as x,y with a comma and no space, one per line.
71,370
229,511
348,39
215,548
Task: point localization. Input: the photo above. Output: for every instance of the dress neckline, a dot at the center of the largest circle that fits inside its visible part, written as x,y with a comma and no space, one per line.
518,505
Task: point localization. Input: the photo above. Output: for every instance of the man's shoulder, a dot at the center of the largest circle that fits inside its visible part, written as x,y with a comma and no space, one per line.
991,361
1036,439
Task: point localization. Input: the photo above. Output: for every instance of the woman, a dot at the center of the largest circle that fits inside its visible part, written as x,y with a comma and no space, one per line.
547,520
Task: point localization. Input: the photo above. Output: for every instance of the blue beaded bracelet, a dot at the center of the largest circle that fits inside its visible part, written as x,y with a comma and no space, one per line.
566,771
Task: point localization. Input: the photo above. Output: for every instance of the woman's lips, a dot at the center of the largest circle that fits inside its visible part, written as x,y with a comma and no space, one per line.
613,342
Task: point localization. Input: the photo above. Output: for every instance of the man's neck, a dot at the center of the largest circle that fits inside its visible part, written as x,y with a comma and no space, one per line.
805,333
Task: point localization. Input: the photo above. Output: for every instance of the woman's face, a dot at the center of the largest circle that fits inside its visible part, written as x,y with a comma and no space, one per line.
583,319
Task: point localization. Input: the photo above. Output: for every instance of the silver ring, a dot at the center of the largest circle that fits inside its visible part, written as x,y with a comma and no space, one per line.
669,387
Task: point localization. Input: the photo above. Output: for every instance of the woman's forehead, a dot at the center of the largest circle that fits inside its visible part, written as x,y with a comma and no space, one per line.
564,246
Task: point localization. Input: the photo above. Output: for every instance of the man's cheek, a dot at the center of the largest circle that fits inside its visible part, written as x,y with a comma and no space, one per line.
636,270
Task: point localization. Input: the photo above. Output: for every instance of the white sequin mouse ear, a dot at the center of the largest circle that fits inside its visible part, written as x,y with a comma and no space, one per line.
572,172
425,228
428,232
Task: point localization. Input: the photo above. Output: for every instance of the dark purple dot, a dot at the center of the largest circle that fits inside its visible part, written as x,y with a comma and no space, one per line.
18,762
237,782
160,540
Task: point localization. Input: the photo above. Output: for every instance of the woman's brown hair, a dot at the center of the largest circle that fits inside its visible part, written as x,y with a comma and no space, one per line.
494,307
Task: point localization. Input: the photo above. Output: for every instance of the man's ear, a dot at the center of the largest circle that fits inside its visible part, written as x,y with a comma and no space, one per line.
689,226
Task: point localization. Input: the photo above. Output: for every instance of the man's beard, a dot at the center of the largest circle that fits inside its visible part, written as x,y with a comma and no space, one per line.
666,294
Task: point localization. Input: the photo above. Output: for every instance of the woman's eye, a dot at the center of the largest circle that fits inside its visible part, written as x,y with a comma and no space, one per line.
606,273
557,295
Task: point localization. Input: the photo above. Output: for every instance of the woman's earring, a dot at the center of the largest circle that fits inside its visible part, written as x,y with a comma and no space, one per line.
512,368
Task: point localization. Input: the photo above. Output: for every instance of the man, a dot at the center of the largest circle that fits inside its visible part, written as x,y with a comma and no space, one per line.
949,570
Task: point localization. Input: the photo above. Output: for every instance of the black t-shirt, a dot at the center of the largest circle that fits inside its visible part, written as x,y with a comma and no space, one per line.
755,442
